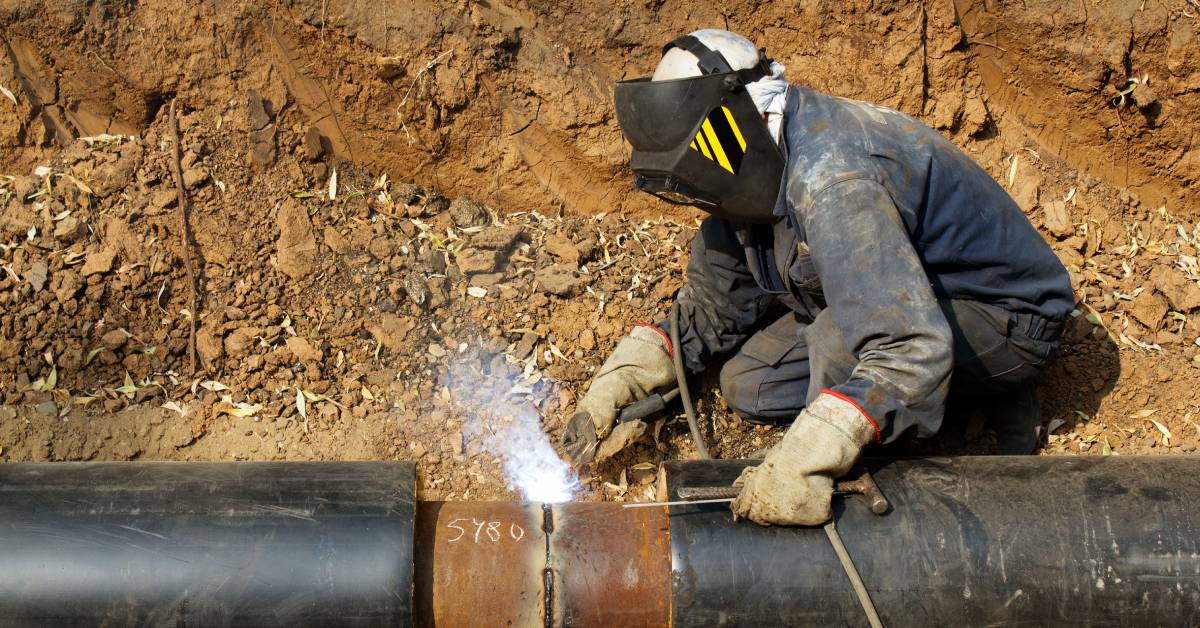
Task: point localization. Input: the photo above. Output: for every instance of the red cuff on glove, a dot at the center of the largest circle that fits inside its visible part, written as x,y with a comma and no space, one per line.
878,434
665,337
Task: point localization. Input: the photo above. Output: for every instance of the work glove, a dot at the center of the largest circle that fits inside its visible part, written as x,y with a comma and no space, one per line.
794,484
639,365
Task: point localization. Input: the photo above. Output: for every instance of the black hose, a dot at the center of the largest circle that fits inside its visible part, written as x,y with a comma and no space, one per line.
681,379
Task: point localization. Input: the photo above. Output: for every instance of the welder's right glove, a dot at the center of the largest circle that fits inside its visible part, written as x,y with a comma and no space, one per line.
794,484
640,365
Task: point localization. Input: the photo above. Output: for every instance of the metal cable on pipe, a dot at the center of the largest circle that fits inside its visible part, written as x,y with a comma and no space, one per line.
681,378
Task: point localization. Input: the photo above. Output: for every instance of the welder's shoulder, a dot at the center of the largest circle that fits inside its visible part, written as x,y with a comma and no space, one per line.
829,142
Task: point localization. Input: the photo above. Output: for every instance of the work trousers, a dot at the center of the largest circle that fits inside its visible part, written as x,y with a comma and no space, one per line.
785,365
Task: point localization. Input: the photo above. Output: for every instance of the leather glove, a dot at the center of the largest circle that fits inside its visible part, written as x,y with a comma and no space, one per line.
639,365
794,483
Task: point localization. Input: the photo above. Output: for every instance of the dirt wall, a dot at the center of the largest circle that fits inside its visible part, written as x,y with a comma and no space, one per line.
512,101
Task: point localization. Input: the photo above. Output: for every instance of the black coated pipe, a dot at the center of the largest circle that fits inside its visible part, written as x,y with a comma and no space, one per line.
974,541
206,544
969,542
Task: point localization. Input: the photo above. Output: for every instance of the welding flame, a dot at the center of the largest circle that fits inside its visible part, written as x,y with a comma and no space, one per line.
502,417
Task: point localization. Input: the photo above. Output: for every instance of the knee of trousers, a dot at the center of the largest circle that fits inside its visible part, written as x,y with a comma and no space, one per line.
740,385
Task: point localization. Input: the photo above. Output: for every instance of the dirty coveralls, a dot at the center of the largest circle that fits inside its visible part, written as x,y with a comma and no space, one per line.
895,260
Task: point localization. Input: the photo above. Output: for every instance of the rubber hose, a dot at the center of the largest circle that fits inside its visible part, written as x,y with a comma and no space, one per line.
681,380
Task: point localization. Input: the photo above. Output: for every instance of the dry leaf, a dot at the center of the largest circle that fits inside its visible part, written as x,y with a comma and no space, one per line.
240,409
301,406
8,94
129,388
175,407
1165,432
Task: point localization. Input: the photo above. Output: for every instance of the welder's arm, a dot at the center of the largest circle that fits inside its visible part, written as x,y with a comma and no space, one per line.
721,302
883,306
881,300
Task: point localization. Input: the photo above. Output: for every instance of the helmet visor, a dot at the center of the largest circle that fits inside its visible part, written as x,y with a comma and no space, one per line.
659,116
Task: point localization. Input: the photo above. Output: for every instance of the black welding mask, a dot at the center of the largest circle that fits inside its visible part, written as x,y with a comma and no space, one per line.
701,141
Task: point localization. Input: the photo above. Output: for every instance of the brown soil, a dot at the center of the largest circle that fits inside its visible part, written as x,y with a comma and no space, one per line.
411,324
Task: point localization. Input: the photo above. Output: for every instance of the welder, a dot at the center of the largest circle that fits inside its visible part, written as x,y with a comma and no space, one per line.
857,274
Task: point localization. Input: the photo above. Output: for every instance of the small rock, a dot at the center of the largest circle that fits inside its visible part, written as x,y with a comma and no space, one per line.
436,350
560,279
1166,338
1183,293
1144,95
525,345
193,177
503,238
239,342
392,331
25,185
1026,188
259,110
1058,220
36,275
263,148
467,213
407,193
46,409
434,204
471,261
335,241
297,245
314,144
587,340
303,350
486,280
209,347
382,248
563,248
98,262
114,339
389,68
164,198
69,229
1149,309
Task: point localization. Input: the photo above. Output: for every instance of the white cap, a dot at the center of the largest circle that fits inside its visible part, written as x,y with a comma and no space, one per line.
769,93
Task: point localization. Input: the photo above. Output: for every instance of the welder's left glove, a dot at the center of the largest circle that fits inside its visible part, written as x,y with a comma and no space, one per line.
794,484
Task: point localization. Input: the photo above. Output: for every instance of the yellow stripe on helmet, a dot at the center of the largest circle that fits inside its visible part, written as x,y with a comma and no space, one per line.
733,125
703,147
711,136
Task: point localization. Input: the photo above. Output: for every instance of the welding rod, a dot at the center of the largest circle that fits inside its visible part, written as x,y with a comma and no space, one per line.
685,502
728,493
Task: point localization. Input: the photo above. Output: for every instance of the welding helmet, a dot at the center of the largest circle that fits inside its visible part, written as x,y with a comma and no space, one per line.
699,140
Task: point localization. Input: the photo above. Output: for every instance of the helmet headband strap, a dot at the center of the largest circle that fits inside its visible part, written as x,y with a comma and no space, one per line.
713,62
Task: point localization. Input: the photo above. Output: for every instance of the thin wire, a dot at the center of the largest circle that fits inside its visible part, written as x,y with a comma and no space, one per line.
860,589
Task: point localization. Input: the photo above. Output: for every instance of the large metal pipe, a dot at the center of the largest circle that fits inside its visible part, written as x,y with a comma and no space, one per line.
973,541
970,541
206,544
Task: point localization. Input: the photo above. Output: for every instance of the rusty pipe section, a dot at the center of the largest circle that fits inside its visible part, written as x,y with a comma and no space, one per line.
540,565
